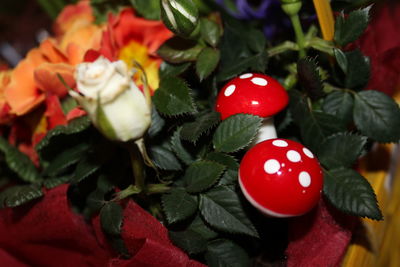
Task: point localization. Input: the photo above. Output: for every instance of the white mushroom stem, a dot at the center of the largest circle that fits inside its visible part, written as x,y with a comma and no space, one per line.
266,131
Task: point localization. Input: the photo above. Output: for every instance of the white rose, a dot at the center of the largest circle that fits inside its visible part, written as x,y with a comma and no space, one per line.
113,102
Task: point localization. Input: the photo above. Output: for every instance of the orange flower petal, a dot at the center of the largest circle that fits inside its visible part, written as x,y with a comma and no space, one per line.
51,52
47,80
127,27
87,37
81,12
21,93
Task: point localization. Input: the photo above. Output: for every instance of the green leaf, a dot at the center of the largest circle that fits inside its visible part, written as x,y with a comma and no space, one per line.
178,50
65,159
189,241
173,97
18,195
221,208
225,253
86,167
256,63
317,126
164,159
341,59
178,205
341,150
210,31
377,116
192,131
358,70
339,104
167,69
236,132
309,78
75,126
102,8
94,203
348,191
256,40
111,218
149,9
178,148
157,123
19,163
199,226
201,175
54,182
206,62
298,106
230,177
349,29
227,160
237,50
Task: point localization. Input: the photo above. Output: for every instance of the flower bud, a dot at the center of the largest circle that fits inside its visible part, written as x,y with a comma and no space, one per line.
113,102
180,16
291,7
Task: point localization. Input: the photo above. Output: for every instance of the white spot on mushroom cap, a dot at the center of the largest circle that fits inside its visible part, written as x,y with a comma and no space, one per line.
246,75
305,179
293,156
271,166
229,90
259,81
308,153
280,143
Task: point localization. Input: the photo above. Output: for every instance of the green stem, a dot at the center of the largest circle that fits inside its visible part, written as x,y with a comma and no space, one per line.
329,88
298,31
285,46
321,45
157,188
130,190
292,8
137,167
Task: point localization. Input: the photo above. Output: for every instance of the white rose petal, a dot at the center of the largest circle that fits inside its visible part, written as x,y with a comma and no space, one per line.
109,84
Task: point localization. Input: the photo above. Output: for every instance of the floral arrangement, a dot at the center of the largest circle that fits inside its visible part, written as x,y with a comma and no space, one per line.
141,133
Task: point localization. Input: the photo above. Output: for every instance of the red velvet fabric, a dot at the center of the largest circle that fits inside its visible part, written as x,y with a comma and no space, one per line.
381,43
319,238
49,233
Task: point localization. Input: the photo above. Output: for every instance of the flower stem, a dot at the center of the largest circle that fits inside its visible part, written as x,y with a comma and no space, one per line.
281,48
292,8
299,35
130,190
137,167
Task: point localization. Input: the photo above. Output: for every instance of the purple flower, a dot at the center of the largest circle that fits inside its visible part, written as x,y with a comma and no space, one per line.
269,11
242,9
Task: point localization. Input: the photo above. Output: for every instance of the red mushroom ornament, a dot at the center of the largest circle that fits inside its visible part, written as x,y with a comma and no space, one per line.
281,178
255,94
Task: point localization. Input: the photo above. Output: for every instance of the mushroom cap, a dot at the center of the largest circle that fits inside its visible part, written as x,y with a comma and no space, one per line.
252,93
281,178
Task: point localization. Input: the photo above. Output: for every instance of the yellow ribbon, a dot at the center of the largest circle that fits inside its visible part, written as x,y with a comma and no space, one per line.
325,18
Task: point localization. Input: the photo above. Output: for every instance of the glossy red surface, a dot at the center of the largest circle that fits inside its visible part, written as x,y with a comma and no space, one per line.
294,182
252,93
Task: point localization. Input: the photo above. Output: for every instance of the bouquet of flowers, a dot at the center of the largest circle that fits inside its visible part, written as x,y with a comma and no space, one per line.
189,132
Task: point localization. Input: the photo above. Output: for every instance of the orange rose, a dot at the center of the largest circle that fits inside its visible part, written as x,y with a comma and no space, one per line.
131,38
36,75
